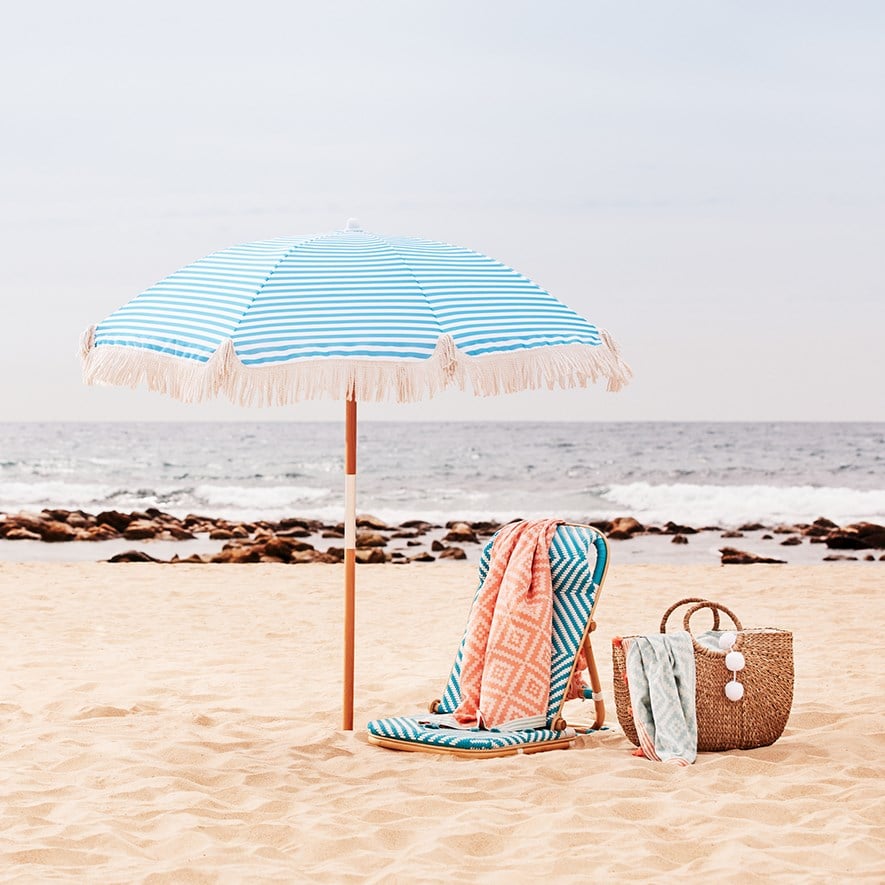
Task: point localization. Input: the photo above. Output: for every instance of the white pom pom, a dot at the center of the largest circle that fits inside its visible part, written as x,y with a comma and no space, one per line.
734,660
734,691
727,640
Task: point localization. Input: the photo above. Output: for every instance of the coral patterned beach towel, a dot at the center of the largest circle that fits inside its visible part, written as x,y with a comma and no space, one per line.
505,669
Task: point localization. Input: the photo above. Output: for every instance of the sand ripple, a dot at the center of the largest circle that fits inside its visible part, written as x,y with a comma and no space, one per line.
162,727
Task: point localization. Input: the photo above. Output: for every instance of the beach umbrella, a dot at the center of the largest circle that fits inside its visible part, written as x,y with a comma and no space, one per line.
349,315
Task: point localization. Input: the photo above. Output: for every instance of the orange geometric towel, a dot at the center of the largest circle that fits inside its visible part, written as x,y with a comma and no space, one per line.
505,669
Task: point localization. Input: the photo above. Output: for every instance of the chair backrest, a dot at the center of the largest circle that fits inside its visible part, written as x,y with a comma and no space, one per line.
578,558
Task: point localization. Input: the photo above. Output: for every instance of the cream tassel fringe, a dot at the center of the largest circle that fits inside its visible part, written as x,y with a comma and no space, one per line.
565,366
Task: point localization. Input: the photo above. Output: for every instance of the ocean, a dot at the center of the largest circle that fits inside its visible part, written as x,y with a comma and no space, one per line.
696,473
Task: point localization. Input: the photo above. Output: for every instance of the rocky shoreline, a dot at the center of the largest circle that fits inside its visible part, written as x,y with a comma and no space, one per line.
301,540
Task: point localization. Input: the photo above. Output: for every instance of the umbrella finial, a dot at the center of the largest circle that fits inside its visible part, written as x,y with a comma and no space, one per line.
352,224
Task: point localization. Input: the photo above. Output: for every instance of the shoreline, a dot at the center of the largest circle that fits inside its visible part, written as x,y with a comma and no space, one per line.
56,535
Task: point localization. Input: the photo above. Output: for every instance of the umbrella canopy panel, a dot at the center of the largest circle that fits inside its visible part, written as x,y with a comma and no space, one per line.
347,314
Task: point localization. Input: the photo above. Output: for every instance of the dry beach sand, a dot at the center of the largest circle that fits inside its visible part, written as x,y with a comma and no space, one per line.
180,724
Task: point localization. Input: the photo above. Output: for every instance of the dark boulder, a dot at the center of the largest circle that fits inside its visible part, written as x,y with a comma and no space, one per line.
673,528
134,556
731,556
452,553
115,519
53,531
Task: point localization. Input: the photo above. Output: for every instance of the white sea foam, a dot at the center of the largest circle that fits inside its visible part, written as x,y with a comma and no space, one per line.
15,496
263,498
729,505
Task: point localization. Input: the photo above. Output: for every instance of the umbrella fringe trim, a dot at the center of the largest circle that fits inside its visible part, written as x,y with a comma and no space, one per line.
565,366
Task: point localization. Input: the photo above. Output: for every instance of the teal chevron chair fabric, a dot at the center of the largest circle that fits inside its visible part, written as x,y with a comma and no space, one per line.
578,560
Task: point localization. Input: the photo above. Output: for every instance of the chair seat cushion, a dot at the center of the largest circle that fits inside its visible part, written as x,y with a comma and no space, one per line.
406,732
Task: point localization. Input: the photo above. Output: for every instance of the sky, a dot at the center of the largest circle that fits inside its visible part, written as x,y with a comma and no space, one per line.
703,179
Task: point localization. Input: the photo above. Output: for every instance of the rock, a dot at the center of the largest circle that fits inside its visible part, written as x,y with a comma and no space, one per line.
461,532
102,532
367,521
679,539
21,534
418,524
192,520
452,553
295,532
625,525
413,543
858,536
278,548
820,528
285,548
370,539
673,528
304,556
767,537
731,556
27,521
54,531
792,541
786,529
872,533
732,534
370,555
485,528
295,522
177,533
239,554
115,519
133,556
140,529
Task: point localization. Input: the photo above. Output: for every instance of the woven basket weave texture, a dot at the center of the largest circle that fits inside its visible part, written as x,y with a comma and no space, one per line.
760,717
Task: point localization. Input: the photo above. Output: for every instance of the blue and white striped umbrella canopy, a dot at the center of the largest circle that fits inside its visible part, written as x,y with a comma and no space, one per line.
347,314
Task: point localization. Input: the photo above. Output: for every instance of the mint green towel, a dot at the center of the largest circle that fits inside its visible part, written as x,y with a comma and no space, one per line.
661,679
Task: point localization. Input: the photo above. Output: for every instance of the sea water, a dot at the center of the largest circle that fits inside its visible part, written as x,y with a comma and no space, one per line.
696,473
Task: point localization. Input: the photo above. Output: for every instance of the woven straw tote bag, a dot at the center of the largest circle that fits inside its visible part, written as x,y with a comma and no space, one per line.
760,716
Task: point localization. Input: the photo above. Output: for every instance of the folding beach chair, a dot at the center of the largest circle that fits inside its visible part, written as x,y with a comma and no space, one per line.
578,561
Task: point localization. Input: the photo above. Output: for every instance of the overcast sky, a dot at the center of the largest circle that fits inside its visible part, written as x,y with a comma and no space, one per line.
704,179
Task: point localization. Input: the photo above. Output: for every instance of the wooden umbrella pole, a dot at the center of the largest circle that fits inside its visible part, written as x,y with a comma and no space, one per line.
349,559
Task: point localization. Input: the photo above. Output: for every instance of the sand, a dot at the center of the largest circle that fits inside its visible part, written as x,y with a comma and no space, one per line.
181,724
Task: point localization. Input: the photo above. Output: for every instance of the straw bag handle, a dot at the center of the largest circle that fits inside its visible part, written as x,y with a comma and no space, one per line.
686,601
705,603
